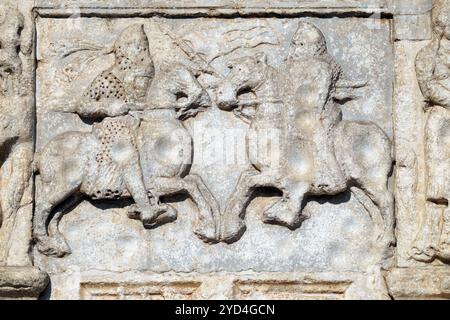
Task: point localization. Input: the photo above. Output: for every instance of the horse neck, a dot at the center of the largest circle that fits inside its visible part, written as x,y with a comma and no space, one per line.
267,94
268,90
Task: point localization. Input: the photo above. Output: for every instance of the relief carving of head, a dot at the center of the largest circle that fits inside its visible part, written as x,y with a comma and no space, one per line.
133,62
308,41
11,26
246,74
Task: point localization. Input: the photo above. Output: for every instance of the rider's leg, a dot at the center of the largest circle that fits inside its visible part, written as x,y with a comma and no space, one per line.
438,156
328,178
51,195
287,211
126,156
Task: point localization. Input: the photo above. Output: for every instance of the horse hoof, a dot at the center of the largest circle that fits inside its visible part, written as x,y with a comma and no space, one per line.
425,255
387,239
206,231
167,216
280,214
233,230
152,217
54,247
133,212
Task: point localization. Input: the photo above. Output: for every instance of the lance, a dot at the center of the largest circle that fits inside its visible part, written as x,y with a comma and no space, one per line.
194,56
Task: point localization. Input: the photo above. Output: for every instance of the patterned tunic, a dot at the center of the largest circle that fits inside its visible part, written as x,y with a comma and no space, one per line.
114,134
107,86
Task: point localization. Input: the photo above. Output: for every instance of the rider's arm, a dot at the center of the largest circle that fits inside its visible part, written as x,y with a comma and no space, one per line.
104,108
324,84
432,88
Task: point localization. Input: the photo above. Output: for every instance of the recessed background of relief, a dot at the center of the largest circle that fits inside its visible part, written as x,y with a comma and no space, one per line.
338,236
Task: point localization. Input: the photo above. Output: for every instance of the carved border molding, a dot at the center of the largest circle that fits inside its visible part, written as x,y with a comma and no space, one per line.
22,282
414,283
98,285
230,4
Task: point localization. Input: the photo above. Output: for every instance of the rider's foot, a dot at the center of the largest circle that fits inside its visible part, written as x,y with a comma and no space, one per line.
205,229
281,214
149,216
232,229
169,214
56,247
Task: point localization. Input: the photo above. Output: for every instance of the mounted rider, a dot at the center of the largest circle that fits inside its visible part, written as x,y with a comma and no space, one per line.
112,94
308,89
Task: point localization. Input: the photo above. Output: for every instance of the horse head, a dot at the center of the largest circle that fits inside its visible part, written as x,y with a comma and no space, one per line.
246,75
177,88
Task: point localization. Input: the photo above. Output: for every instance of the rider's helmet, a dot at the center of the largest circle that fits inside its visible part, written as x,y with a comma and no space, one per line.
133,58
308,41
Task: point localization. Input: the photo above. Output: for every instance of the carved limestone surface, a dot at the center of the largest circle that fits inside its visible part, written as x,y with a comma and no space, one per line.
145,133
144,155
299,102
213,150
433,74
15,111
18,278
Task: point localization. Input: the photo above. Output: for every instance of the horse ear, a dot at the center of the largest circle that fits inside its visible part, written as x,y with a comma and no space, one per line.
261,57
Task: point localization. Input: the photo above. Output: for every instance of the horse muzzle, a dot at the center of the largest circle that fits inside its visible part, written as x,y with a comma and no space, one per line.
227,98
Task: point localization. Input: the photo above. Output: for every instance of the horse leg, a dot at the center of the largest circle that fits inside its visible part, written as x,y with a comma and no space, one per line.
368,168
384,200
286,212
55,194
208,209
53,226
233,224
207,224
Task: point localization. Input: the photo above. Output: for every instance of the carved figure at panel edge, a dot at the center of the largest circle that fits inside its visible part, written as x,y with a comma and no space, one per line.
141,148
15,111
313,152
433,74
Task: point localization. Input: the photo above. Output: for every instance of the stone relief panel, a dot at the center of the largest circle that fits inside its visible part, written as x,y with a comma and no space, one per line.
122,152
159,138
214,150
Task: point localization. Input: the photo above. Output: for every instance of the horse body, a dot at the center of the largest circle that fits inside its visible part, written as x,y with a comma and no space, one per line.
362,151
